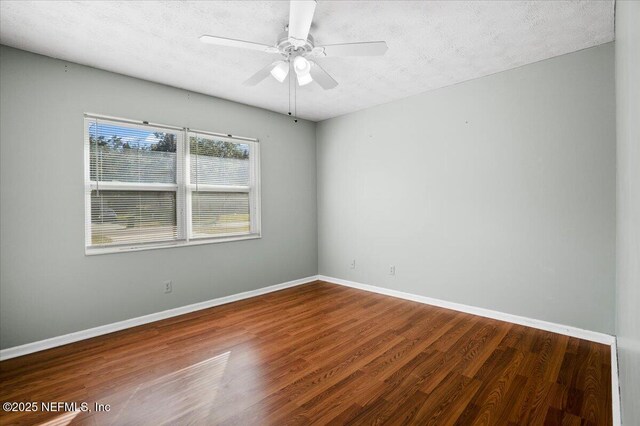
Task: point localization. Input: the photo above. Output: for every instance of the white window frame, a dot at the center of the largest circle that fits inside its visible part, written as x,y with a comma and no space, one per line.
183,188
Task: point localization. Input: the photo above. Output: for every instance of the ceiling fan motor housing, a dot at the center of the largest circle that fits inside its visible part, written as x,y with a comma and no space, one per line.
288,49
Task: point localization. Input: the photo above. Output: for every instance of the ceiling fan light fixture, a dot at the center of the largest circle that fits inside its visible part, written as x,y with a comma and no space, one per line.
302,67
304,79
280,71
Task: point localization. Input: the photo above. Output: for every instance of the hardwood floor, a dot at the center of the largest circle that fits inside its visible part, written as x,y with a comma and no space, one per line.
319,353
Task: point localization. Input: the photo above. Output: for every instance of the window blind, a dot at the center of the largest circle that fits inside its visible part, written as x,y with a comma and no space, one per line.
133,183
216,213
220,183
126,217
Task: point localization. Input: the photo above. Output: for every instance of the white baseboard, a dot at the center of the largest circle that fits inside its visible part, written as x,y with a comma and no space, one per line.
567,330
592,336
133,322
615,385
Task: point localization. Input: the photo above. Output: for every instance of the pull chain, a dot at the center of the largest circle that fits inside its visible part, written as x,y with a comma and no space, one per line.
292,81
295,102
289,84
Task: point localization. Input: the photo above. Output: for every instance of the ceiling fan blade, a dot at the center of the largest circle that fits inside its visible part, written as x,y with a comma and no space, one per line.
300,17
222,41
367,48
260,75
322,77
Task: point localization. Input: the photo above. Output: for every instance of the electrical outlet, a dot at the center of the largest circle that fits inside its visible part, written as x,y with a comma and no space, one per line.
168,286
352,265
392,270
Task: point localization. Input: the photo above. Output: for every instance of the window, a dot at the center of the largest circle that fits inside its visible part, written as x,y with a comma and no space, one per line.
150,186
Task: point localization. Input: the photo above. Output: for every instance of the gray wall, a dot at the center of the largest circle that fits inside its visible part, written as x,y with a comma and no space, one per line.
628,248
47,285
497,192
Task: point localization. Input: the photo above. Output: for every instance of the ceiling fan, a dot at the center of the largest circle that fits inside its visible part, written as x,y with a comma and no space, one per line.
297,48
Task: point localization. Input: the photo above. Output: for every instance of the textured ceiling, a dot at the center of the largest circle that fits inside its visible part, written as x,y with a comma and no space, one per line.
431,44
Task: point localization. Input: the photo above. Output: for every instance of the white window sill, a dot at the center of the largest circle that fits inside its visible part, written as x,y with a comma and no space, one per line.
92,251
